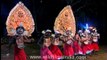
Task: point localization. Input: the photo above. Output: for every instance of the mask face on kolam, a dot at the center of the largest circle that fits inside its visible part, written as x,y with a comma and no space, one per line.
20,15
65,21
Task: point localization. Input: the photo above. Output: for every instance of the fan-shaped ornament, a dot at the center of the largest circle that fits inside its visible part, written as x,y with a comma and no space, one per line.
65,21
20,16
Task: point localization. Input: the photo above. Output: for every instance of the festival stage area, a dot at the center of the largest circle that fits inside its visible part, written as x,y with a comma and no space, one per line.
53,30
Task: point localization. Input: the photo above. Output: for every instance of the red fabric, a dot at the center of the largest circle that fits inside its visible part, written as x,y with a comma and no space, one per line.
68,50
19,54
77,47
87,47
56,51
46,54
95,46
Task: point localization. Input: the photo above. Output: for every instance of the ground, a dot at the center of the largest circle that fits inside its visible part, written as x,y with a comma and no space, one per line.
33,50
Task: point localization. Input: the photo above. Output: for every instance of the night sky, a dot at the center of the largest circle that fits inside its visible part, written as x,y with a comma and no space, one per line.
44,13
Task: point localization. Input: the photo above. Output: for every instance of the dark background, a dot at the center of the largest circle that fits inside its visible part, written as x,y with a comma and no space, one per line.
44,13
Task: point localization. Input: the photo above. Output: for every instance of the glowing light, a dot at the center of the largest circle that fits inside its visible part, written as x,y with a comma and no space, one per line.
81,25
87,26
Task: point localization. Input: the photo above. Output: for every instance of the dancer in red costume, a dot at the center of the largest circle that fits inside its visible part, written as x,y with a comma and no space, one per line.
95,37
19,53
68,46
46,54
18,39
86,46
77,45
55,49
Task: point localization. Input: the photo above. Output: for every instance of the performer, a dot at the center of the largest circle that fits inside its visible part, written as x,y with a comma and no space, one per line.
20,36
45,34
95,37
46,54
68,46
20,25
86,46
78,44
19,53
54,47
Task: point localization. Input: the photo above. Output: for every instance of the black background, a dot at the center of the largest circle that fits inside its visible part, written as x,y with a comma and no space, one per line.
44,13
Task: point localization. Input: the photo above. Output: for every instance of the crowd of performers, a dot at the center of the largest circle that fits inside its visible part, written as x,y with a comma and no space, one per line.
56,46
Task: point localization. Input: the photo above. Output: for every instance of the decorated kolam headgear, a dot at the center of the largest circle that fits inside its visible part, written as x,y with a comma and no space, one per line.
94,29
53,35
43,32
57,34
87,31
47,32
20,14
80,31
90,28
65,21
69,33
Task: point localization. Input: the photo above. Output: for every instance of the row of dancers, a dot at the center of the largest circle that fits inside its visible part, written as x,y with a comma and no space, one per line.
57,46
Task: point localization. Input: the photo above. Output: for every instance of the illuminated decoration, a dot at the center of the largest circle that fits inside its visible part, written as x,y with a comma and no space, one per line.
65,21
91,27
87,26
20,15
